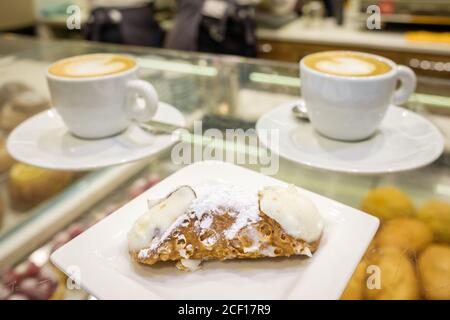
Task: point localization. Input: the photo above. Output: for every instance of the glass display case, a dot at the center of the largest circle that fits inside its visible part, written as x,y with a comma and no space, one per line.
222,91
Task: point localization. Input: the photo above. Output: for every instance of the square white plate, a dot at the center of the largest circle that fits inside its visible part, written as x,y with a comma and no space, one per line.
99,256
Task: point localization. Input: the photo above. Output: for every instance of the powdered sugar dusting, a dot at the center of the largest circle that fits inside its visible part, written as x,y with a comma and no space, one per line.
214,198
210,241
219,196
268,251
253,235
206,222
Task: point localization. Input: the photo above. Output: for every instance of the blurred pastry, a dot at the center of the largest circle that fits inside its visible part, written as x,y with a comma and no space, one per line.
434,270
398,277
20,108
6,161
11,89
2,211
27,281
408,234
221,221
437,215
387,203
29,186
356,286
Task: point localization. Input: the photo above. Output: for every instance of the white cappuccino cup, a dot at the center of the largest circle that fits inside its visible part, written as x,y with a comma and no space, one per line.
97,94
347,93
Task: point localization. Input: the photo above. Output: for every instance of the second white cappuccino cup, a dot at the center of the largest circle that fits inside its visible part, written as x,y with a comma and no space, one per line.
351,108
101,105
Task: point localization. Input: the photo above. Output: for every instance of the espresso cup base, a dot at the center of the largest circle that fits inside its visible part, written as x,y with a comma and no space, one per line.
83,137
347,139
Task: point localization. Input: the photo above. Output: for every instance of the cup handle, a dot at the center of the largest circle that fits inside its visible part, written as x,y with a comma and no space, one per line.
147,92
408,81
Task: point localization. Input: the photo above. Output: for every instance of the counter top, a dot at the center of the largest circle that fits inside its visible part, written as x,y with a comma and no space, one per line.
327,32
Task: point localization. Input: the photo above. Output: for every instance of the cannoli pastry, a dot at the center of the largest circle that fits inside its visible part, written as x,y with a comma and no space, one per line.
221,221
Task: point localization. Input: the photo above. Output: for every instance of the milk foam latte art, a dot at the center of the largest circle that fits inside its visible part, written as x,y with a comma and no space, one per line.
92,65
350,64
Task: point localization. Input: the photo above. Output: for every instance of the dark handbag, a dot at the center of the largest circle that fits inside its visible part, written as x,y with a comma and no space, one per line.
133,25
232,33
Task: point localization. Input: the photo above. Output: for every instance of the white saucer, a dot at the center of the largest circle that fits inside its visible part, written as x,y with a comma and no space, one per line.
404,141
44,141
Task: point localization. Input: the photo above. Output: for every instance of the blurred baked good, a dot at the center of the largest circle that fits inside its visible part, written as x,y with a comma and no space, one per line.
387,203
398,276
436,214
21,107
27,281
355,287
6,161
434,270
10,89
408,234
2,211
29,186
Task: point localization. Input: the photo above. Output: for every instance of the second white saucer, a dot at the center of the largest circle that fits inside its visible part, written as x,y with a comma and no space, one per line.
404,141
44,141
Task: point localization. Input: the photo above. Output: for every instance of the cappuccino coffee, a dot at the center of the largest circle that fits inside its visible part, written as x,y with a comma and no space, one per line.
97,95
92,65
348,93
347,64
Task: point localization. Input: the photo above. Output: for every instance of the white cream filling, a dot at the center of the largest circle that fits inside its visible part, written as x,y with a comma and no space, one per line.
297,214
152,225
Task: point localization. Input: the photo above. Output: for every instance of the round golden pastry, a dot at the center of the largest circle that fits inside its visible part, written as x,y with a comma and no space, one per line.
6,161
398,280
21,107
436,214
387,203
355,287
434,271
408,234
28,186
